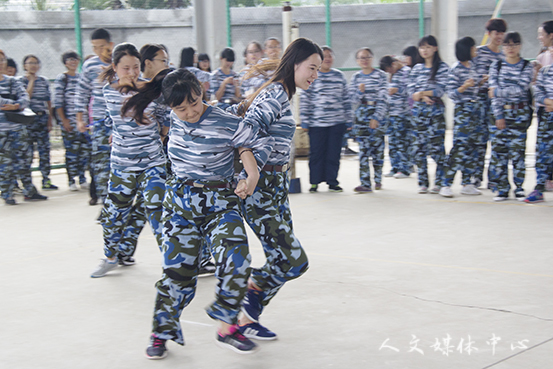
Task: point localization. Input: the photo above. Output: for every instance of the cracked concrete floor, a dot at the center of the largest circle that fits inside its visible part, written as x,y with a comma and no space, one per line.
397,280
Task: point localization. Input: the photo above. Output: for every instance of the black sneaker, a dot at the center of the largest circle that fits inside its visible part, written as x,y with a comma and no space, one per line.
47,185
237,342
335,189
126,260
348,152
157,349
10,202
36,197
520,196
207,268
313,188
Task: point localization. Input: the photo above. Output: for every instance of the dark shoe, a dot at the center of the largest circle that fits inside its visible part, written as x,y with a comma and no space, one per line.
157,349
534,197
362,189
520,196
335,189
378,186
251,306
257,331
207,268
93,202
237,342
348,152
35,197
125,260
47,185
313,188
10,202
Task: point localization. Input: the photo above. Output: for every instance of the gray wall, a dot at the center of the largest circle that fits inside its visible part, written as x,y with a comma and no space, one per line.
385,28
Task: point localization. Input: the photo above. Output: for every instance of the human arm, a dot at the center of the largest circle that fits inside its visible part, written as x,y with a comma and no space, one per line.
246,187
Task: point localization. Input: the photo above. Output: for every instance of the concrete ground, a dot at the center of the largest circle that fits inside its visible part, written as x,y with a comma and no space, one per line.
397,280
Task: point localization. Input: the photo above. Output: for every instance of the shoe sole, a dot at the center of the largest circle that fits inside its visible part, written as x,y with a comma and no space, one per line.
252,337
232,348
156,357
500,200
533,202
336,191
470,194
447,196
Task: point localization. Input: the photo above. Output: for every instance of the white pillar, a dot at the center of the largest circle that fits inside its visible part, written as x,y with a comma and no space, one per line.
286,25
210,27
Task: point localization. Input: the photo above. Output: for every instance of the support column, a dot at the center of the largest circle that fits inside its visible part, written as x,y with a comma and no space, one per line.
211,35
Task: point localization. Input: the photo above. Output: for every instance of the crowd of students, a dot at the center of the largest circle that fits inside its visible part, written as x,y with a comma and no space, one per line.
157,152
494,92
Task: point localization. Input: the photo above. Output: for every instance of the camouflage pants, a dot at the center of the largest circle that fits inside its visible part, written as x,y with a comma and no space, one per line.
122,189
77,153
465,136
399,143
510,144
544,160
267,212
192,216
13,153
38,135
483,133
429,126
136,222
100,156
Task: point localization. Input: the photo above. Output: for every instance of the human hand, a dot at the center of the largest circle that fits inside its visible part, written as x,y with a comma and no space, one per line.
362,87
67,125
10,107
392,90
373,124
500,123
228,80
81,126
417,96
427,100
468,83
491,92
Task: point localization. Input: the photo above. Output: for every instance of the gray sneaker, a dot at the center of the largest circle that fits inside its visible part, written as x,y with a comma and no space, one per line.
104,267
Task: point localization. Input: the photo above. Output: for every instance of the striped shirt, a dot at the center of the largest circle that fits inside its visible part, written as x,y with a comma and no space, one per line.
376,90
217,79
11,86
419,80
484,58
65,87
511,85
399,102
201,75
89,87
271,111
544,85
205,150
326,103
135,147
40,95
458,75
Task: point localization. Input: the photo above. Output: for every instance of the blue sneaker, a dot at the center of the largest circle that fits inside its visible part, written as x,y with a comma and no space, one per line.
257,331
157,349
251,307
534,197
237,342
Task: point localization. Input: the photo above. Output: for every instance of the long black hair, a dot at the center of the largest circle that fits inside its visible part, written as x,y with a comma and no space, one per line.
125,48
148,52
436,60
187,57
148,92
413,53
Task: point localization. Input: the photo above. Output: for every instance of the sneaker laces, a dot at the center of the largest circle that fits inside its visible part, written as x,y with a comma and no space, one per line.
158,342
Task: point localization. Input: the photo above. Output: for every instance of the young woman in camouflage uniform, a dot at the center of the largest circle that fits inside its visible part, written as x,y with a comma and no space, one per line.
267,211
201,206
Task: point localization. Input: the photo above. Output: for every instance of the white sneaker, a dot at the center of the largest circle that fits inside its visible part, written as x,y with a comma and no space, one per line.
499,198
446,192
390,174
73,187
400,175
423,189
104,267
470,190
435,190
85,186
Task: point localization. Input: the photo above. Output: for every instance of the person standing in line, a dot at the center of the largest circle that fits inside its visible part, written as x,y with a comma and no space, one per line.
187,56
252,55
225,84
427,84
485,56
325,112
267,211
462,89
369,96
38,89
89,96
398,117
202,207
77,144
204,63
509,90
137,163
14,144
11,69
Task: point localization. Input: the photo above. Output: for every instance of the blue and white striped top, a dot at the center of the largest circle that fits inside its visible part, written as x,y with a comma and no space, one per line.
544,85
398,103
134,147
65,87
484,59
326,103
90,86
419,80
458,75
201,75
204,150
511,85
217,78
10,85
40,95
376,90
